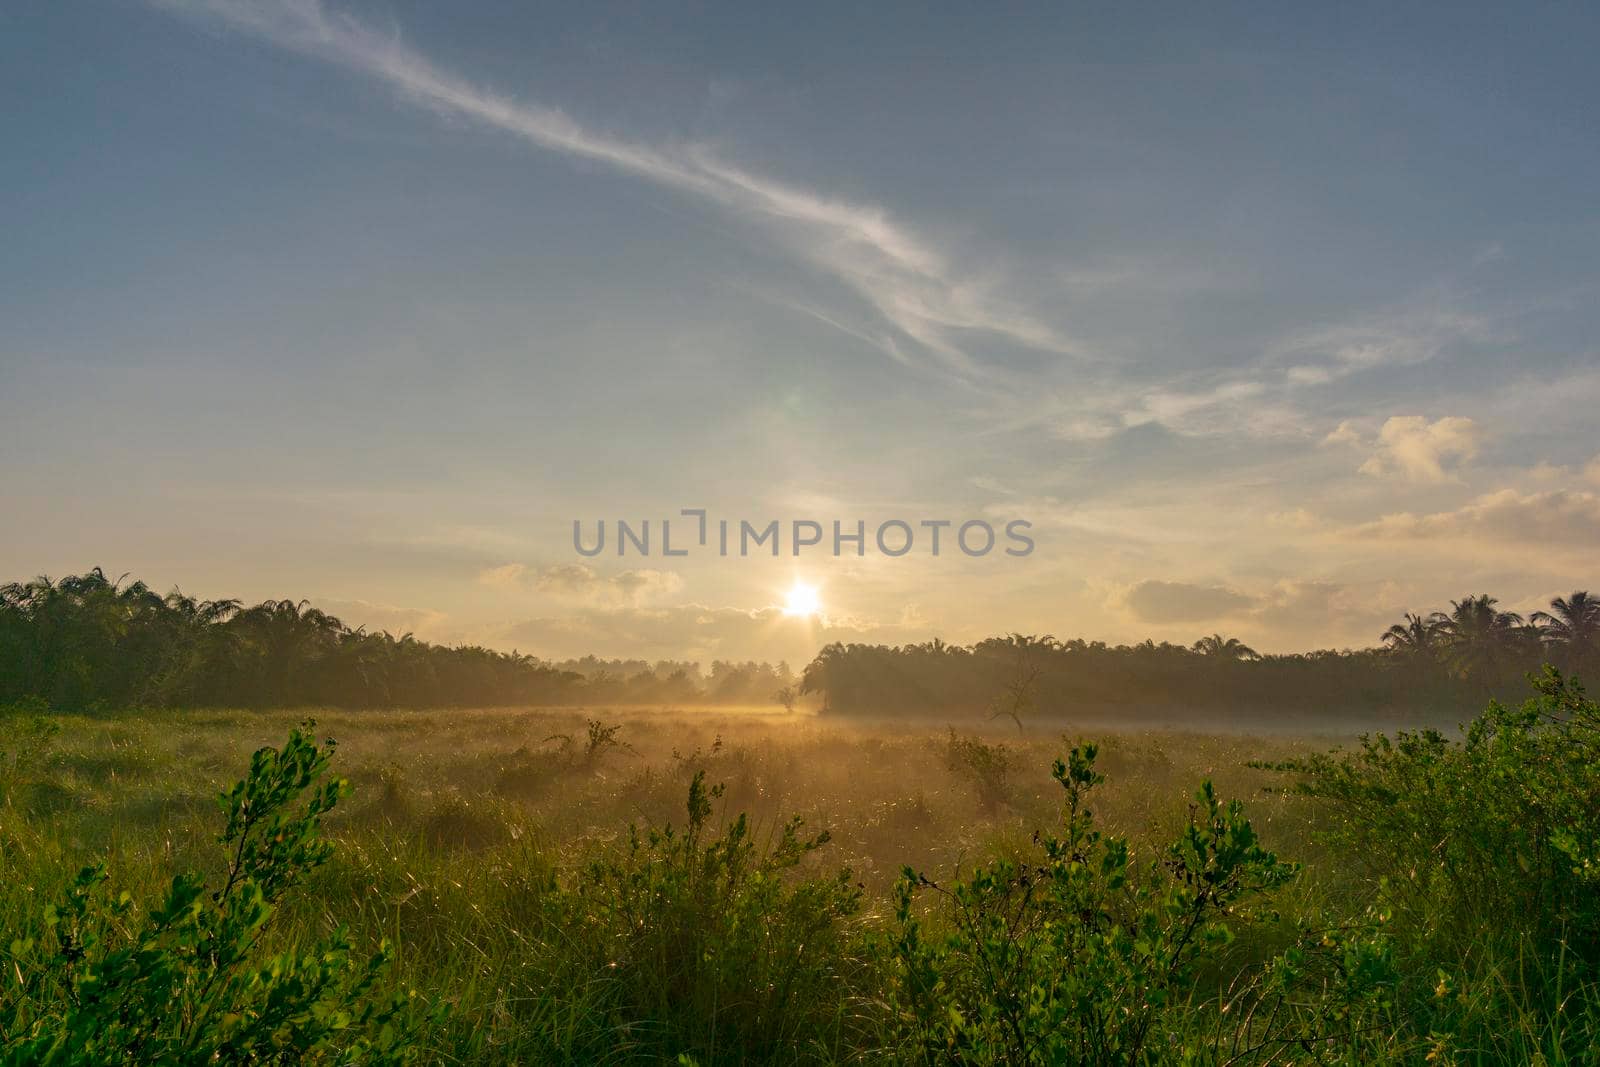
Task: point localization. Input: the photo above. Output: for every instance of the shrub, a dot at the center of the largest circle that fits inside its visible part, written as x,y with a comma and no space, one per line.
190,979
458,821
1487,852
986,766
29,733
600,738
713,944
1081,957
1495,838
394,803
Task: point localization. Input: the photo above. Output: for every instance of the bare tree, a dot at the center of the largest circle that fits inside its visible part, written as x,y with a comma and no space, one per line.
1017,696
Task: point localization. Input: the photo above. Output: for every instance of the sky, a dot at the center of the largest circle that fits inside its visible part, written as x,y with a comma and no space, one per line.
1274,321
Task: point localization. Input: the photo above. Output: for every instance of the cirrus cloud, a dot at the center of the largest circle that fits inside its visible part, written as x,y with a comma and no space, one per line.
915,297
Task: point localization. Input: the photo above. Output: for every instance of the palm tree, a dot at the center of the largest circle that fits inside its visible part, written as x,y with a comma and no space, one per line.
291,637
1479,639
1573,625
1416,638
1230,648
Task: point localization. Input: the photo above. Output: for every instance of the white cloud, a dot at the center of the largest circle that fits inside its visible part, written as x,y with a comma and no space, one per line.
911,285
1346,433
1414,448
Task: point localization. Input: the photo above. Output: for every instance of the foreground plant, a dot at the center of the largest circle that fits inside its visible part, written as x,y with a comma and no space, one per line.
190,979
1487,852
714,944
1496,836
1085,957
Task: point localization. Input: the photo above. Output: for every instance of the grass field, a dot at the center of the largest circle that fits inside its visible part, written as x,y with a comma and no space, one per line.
492,849
475,779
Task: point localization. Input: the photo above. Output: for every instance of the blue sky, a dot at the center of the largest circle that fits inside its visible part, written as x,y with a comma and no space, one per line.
1278,322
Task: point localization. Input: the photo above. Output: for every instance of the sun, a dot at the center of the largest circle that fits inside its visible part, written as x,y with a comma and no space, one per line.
801,600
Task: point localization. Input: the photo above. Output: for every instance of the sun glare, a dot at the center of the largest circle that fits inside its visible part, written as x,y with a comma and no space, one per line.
801,600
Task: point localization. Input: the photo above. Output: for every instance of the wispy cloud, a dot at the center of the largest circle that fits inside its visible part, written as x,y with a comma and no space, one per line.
1414,334
911,286
1264,396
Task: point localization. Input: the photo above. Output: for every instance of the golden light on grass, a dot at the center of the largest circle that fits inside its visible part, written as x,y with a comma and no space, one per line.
801,600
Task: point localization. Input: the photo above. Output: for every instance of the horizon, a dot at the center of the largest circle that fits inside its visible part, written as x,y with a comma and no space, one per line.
1531,622
1271,324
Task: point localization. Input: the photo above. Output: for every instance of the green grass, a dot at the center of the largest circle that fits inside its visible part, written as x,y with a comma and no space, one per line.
496,856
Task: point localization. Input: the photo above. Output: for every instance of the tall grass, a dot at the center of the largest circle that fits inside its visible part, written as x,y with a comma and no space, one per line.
578,887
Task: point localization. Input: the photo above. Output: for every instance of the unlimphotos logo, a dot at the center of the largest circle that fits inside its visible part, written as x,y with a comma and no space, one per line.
741,537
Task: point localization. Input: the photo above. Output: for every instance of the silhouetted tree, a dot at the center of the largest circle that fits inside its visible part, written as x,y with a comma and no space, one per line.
1572,630
1230,648
1418,638
87,641
1480,641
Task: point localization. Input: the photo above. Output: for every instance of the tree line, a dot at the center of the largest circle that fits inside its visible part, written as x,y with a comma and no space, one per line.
1443,660
88,641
